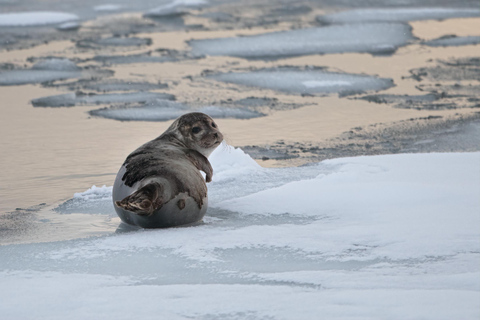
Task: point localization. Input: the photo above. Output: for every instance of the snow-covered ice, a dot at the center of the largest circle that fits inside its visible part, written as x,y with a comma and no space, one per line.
398,14
450,41
34,18
309,81
74,99
163,110
380,237
375,38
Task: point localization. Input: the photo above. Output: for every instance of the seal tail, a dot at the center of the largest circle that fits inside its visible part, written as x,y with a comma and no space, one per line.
144,201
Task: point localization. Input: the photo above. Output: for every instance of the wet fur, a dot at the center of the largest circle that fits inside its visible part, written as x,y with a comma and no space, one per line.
176,157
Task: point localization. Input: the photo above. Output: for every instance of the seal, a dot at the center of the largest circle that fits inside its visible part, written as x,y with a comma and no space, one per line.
160,185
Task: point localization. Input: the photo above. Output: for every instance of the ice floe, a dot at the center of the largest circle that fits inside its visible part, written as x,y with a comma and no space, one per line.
34,18
453,41
398,14
367,237
175,8
375,38
43,71
163,110
74,99
115,42
107,7
308,81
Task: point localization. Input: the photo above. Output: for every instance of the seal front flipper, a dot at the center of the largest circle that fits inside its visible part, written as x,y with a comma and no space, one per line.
201,163
144,201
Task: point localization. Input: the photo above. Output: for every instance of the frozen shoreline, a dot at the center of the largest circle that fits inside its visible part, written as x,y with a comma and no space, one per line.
344,231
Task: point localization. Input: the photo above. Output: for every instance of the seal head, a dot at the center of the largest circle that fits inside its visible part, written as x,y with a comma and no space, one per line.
159,184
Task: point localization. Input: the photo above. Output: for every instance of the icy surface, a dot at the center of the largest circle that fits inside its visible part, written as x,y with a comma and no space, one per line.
116,42
43,71
375,38
73,99
23,19
312,82
398,14
176,7
162,110
449,41
378,237
107,7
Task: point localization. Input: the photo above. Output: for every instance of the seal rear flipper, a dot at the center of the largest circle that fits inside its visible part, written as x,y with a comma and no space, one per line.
144,201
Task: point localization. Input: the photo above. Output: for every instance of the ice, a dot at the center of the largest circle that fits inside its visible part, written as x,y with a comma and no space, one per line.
107,7
34,18
74,99
69,26
398,14
377,237
309,81
116,42
174,8
449,41
43,71
163,110
116,85
133,58
95,200
374,38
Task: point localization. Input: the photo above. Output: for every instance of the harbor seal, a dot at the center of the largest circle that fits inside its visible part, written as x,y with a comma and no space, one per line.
159,185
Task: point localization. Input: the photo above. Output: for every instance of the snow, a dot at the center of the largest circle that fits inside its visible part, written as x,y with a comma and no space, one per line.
34,18
398,14
374,38
378,237
313,81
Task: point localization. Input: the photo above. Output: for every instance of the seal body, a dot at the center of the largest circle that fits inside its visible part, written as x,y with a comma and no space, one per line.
160,185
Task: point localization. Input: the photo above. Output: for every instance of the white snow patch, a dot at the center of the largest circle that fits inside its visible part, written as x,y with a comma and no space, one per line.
380,237
34,18
175,7
314,83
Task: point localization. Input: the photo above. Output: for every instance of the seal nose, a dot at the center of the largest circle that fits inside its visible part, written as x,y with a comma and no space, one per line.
215,135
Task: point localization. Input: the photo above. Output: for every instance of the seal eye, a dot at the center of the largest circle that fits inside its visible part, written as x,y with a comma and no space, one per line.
214,125
196,129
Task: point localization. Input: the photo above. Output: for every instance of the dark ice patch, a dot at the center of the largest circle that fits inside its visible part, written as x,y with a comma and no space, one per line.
75,99
453,41
114,42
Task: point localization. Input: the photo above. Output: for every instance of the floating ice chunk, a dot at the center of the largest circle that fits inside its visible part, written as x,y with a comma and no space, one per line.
116,42
43,71
73,99
34,18
163,110
176,7
397,14
453,41
56,64
313,81
375,38
107,7
69,26
117,85
134,58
